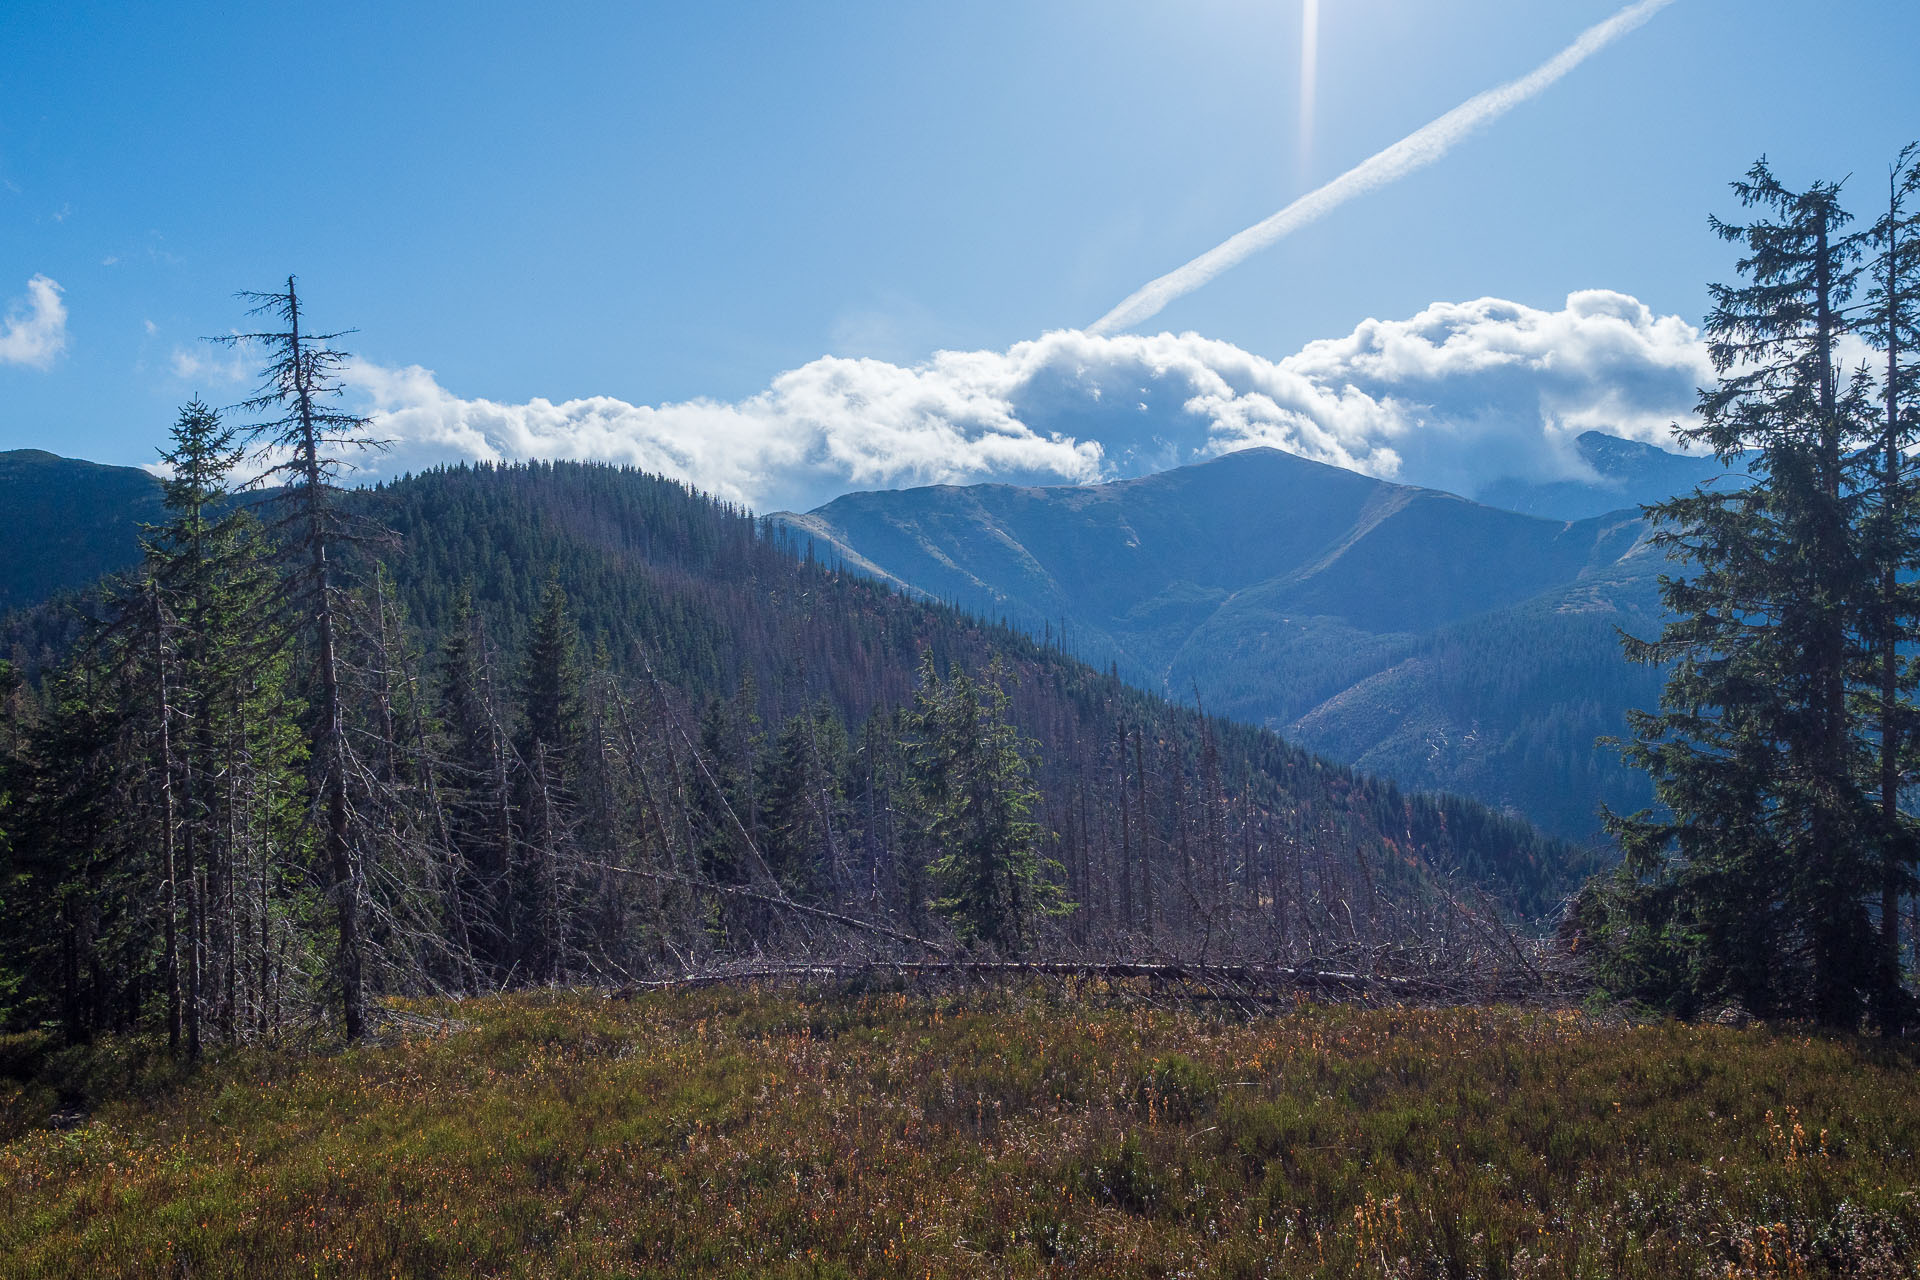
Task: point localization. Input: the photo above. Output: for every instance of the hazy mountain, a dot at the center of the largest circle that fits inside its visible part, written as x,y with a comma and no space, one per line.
68,522
1626,474
1443,642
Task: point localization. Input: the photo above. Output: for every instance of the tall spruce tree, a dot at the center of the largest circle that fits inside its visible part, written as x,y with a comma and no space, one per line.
226,781
1753,882
190,561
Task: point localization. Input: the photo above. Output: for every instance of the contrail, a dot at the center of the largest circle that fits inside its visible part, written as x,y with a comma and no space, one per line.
1415,151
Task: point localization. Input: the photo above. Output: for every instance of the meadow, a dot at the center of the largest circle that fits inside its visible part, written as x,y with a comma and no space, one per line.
992,1133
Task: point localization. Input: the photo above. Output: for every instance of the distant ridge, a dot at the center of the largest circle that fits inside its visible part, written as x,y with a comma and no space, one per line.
1444,642
69,522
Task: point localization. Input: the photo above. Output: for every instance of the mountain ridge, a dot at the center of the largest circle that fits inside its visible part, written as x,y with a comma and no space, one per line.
1309,599
1347,623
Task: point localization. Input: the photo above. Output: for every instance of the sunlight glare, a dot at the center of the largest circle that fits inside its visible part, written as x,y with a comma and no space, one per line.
1309,74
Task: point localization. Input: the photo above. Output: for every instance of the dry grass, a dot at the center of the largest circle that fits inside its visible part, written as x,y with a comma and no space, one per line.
753,1134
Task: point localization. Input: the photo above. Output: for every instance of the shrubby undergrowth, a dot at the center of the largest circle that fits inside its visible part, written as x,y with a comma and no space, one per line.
743,1133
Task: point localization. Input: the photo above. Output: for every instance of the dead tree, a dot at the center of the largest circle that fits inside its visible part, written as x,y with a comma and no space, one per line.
302,439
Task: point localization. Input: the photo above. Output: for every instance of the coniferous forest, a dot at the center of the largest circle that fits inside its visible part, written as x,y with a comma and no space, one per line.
552,724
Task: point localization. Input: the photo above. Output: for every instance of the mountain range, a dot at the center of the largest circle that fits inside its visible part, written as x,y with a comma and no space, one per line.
1619,475
1446,643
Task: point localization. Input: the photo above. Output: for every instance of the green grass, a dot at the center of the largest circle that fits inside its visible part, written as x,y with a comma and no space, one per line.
756,1134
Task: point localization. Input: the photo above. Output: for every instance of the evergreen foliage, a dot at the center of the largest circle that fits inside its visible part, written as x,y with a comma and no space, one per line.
970,770
1782,724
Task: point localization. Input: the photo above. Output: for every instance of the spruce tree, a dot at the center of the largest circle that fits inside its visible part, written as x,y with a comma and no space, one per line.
193,563
1752,883
226,781
976,797
1889,316
804,806
475,758
549,733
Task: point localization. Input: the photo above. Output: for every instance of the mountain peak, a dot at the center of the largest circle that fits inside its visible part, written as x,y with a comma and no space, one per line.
1626,474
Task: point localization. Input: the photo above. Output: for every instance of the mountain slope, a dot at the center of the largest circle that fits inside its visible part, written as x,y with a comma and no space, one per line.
68,522
714,603
1446,643
1223,821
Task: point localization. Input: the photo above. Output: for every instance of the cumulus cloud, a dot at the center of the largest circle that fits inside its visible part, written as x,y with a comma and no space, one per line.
34,331
827,427
1470,392
1455,397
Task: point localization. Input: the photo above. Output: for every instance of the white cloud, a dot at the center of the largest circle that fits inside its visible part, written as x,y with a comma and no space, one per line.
1455,397
1469,392
829,426
34,331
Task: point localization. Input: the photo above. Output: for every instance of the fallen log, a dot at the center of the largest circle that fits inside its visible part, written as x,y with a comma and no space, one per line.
1225,982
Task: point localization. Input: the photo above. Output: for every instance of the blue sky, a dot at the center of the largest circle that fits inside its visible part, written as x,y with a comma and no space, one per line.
655,204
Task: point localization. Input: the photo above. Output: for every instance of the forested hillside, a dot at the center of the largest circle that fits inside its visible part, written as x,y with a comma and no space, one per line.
68,522
597,725
1352,616
723,606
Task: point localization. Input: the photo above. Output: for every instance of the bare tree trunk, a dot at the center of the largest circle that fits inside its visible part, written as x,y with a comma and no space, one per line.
166,820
